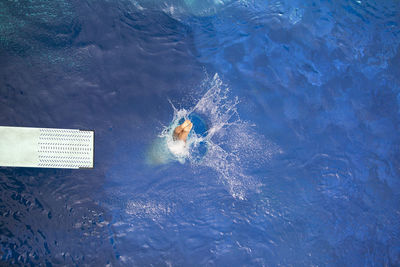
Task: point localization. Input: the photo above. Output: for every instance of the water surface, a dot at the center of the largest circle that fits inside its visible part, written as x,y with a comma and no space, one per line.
302,165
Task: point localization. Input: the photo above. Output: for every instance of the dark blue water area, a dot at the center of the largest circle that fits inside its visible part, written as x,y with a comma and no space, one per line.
317,79
200,126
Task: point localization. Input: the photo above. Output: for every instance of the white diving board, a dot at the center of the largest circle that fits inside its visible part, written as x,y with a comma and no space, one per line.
46,148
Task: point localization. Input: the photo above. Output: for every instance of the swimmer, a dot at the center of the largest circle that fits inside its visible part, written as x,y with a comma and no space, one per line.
182,131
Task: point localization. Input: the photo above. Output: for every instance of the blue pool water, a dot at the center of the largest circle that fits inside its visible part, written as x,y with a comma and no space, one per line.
295,155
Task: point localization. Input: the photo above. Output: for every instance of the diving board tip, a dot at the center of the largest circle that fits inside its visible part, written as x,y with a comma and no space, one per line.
46,148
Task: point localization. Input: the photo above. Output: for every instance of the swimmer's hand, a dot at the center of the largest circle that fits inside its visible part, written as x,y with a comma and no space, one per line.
182,131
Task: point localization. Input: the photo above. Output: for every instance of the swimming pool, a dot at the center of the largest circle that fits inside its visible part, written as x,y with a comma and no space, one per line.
301,166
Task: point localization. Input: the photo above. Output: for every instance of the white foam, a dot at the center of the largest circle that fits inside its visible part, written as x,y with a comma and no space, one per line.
178,148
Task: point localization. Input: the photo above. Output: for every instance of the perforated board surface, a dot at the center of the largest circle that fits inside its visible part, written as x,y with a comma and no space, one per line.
46,148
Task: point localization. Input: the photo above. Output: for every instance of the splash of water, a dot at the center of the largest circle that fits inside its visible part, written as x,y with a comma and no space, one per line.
228,145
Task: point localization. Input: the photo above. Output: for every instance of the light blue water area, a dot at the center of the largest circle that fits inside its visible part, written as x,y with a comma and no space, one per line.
293,159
